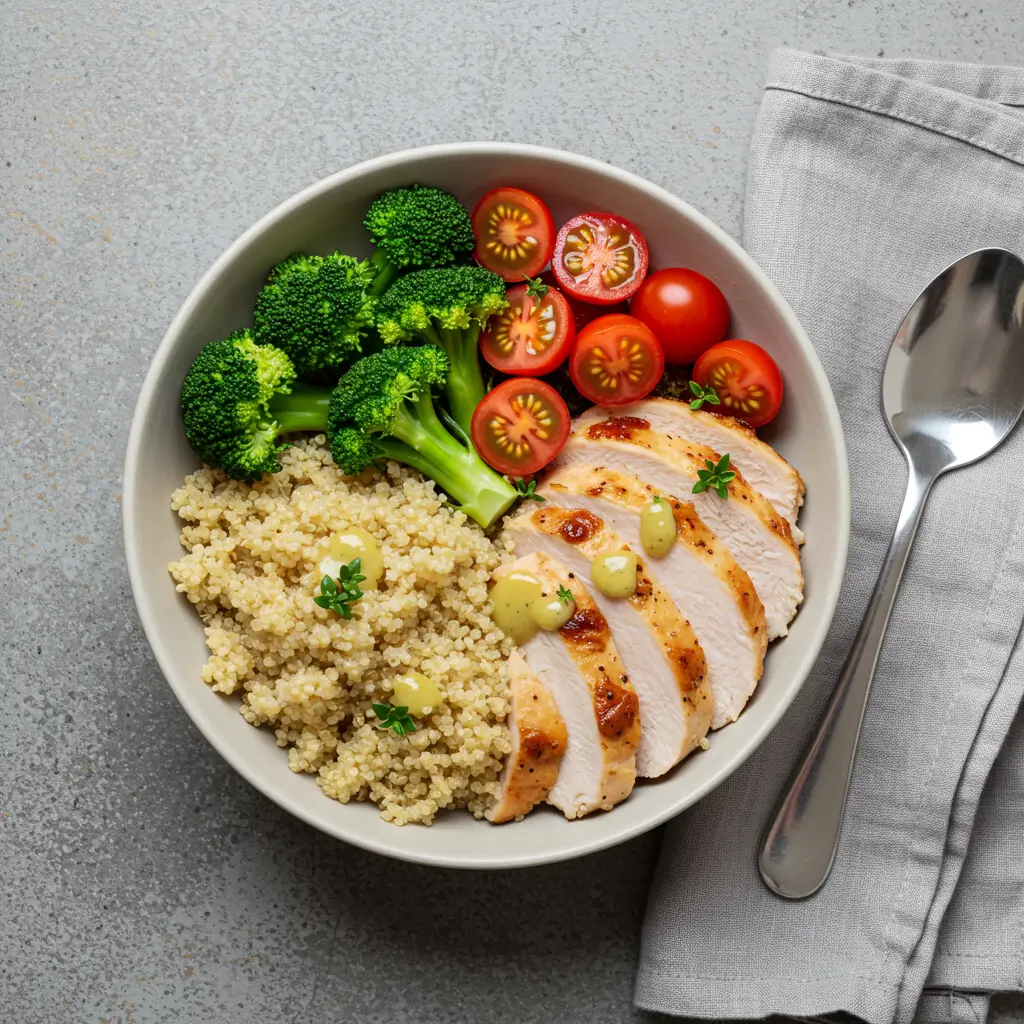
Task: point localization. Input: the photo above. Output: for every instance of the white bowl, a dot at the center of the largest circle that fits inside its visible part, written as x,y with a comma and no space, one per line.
329,215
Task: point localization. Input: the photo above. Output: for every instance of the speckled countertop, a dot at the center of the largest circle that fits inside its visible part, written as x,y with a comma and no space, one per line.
140,879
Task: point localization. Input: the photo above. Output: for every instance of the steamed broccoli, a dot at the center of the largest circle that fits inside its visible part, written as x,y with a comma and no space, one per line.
446,307
416,227
316,309
383,409
238,398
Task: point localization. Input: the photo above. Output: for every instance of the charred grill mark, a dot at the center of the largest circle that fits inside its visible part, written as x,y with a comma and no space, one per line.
689,662
587,630
644,589
579,526
617,708
618,428
535,745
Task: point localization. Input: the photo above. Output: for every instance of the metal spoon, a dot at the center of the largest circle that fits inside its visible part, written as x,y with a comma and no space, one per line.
952,390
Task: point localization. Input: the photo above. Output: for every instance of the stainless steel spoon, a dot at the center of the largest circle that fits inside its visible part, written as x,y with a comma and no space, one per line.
952,390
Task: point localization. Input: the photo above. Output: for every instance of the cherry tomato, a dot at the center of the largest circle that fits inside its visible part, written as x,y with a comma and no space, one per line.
514,231
534,333
520,426
583,312
599,258
746,379
686,310
616,359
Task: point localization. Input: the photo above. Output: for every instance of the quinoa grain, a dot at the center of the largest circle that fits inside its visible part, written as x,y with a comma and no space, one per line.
251,568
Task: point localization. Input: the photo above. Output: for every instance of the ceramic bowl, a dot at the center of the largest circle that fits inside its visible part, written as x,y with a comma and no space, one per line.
328,216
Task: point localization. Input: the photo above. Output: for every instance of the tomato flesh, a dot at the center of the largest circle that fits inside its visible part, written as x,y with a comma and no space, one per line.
686,310
616,360
514,231
533,334
600,258
745,378
583,312
520,426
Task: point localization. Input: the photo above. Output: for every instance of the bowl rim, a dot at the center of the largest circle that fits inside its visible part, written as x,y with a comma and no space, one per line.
827,599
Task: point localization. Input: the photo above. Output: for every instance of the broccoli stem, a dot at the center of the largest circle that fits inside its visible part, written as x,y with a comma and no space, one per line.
425,444
465,388
304,408
386,273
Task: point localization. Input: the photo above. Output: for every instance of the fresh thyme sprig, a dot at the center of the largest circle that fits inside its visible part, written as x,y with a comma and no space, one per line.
527,491
703,394
337,595
716,477
397,719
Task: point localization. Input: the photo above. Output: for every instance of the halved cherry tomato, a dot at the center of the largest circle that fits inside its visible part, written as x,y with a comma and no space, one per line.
534,333
599,258
583,312
616,359
515,233
746,379
520,426
686,311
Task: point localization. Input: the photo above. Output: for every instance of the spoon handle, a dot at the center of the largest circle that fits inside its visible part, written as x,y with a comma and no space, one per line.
799,846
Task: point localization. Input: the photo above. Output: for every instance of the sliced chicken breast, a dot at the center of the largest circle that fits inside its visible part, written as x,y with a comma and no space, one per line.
661,654
700,576
761,466
581,668
757,537
539,740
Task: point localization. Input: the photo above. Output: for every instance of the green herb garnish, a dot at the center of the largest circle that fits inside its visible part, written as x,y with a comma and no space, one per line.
716,477
702,395
397,719
527,491
564,595
337,595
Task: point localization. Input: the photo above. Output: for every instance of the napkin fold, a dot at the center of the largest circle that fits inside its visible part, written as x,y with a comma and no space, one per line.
866,178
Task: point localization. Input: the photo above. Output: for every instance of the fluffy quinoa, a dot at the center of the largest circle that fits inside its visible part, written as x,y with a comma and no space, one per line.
252,571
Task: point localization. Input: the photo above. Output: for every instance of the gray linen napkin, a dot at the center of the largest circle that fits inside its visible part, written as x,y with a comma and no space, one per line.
866,178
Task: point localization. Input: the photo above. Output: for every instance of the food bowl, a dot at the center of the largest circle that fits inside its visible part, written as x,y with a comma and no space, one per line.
328,216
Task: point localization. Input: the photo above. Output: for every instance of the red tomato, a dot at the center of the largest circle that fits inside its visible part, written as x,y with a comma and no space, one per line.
520,426
514,231
534,333
616,359
685,310
599,258
583,312
746,379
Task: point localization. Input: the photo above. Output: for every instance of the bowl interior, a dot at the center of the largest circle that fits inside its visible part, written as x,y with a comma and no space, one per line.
329,216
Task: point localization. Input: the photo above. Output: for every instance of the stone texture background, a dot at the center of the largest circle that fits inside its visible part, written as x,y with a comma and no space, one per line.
140,879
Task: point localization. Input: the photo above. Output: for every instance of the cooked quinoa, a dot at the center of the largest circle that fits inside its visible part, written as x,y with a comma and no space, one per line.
252,571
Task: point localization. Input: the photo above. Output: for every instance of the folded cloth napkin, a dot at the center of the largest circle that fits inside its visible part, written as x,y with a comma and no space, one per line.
866,178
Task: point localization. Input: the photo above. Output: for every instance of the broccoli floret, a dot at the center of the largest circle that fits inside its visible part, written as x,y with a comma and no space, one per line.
383,409
316,309
238,398
446,307
416,227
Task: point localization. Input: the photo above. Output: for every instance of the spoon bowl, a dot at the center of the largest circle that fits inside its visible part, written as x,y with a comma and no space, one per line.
952,390
953,385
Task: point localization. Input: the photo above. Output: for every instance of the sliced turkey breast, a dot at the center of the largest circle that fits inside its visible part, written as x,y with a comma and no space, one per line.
659,650
757,537
760,464
539,740
581,668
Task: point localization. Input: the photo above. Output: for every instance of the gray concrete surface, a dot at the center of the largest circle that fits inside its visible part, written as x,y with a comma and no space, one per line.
140,879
